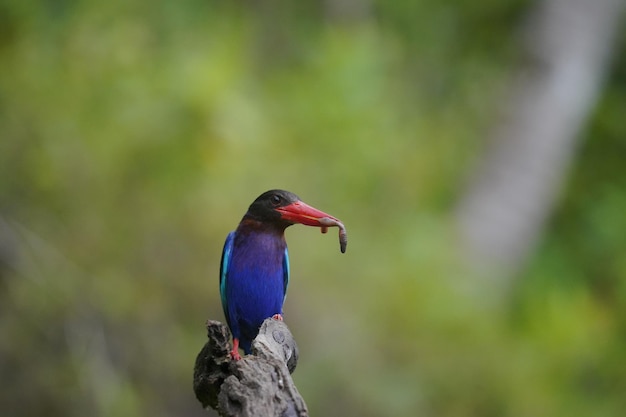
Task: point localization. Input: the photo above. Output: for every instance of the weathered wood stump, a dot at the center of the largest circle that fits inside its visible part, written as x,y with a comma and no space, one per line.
259,384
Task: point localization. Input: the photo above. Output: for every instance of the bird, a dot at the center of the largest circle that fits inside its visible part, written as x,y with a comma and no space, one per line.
254,268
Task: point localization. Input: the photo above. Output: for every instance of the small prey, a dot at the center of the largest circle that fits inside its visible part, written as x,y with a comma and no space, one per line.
327,222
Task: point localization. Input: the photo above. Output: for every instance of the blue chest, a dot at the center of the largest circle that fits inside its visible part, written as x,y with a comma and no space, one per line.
253,281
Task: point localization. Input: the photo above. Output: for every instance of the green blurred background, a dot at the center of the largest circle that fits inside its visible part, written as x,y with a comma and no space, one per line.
134,134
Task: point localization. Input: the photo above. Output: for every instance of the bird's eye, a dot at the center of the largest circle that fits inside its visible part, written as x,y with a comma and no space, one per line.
276,200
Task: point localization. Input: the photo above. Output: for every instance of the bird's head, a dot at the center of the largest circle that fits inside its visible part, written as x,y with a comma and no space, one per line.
283,208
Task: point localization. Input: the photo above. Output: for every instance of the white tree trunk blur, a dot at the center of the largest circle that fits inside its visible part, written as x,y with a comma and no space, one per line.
518,181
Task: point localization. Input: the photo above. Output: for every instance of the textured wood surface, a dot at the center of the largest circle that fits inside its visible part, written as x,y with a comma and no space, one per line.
259,384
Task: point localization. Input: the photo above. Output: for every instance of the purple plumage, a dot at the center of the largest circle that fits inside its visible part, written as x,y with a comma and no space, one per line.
256,278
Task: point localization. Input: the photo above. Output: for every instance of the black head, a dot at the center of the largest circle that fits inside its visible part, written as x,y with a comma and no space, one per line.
265,207
282,208
279,209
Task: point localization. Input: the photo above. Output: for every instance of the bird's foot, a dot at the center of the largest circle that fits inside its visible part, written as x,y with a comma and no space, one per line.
278,317
234,354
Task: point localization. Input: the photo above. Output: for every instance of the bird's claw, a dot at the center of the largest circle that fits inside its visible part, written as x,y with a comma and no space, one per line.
278,317
234,355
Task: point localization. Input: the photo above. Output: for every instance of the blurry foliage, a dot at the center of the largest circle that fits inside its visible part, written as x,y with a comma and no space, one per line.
134,135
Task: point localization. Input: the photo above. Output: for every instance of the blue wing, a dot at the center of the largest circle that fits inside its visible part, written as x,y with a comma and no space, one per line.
224,265
285,273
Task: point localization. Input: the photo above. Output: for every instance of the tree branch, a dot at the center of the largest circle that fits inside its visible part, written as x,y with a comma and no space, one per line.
259,384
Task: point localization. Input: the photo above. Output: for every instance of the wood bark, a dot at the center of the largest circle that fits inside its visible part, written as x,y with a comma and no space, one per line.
259,384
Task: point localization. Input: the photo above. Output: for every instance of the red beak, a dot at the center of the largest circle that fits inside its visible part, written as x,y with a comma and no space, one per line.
302,213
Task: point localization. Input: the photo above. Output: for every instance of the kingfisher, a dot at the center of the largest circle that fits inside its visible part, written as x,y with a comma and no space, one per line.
254,269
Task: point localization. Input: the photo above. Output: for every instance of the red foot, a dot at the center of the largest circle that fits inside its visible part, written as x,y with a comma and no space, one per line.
278,317
234,354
